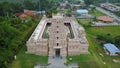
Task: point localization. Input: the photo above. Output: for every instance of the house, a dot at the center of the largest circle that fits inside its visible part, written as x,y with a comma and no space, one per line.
77,6
30,13
63,7
23,17
111,49
105,19
27,15
82,14
82,11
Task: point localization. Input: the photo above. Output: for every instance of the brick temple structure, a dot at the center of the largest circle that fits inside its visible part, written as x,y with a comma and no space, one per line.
58,36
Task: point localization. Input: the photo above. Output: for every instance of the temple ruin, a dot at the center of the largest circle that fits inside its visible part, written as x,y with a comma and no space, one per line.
58,36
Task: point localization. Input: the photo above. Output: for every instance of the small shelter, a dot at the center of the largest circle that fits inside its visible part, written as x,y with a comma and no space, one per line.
111,49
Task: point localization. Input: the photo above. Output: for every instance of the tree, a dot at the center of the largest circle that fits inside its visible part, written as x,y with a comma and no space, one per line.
69,13
5,8
49,14
117,40
30,5
89,2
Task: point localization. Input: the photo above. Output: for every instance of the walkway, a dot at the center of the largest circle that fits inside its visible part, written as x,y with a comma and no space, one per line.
57,62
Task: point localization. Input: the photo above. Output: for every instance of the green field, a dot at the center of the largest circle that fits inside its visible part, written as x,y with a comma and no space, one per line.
92,32
85,61
28,60
94,60
97,13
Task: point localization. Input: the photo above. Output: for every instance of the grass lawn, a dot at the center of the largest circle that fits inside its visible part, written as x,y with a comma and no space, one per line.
91,60
84,21
97,13
84,61
113,31
28,60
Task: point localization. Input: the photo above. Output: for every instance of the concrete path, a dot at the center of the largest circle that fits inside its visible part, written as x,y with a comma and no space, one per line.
57,62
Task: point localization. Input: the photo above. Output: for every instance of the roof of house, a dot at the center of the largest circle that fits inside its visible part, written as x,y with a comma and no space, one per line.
111,48
82,11
105,18
23,16
18,14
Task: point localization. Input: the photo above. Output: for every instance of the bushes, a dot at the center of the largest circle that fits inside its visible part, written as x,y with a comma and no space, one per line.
108,39
49,14
12,38
105,37
117,40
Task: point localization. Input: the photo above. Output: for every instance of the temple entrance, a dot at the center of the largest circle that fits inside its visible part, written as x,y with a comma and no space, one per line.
57,52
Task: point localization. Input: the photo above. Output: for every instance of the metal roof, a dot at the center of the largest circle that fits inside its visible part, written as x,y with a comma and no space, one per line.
111,48
82,11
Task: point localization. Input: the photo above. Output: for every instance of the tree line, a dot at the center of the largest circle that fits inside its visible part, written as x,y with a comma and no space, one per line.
11,8
13,37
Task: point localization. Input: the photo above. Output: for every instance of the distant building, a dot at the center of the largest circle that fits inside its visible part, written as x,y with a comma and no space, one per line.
111,49
24,17
77,6
27,15
106,19
82,14
63,7
110,7
82,11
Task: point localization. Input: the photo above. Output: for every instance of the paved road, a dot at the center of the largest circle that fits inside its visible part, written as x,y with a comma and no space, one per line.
108,13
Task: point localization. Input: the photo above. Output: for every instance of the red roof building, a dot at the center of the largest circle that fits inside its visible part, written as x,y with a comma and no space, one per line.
30,13
23,17
106,19
26,15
